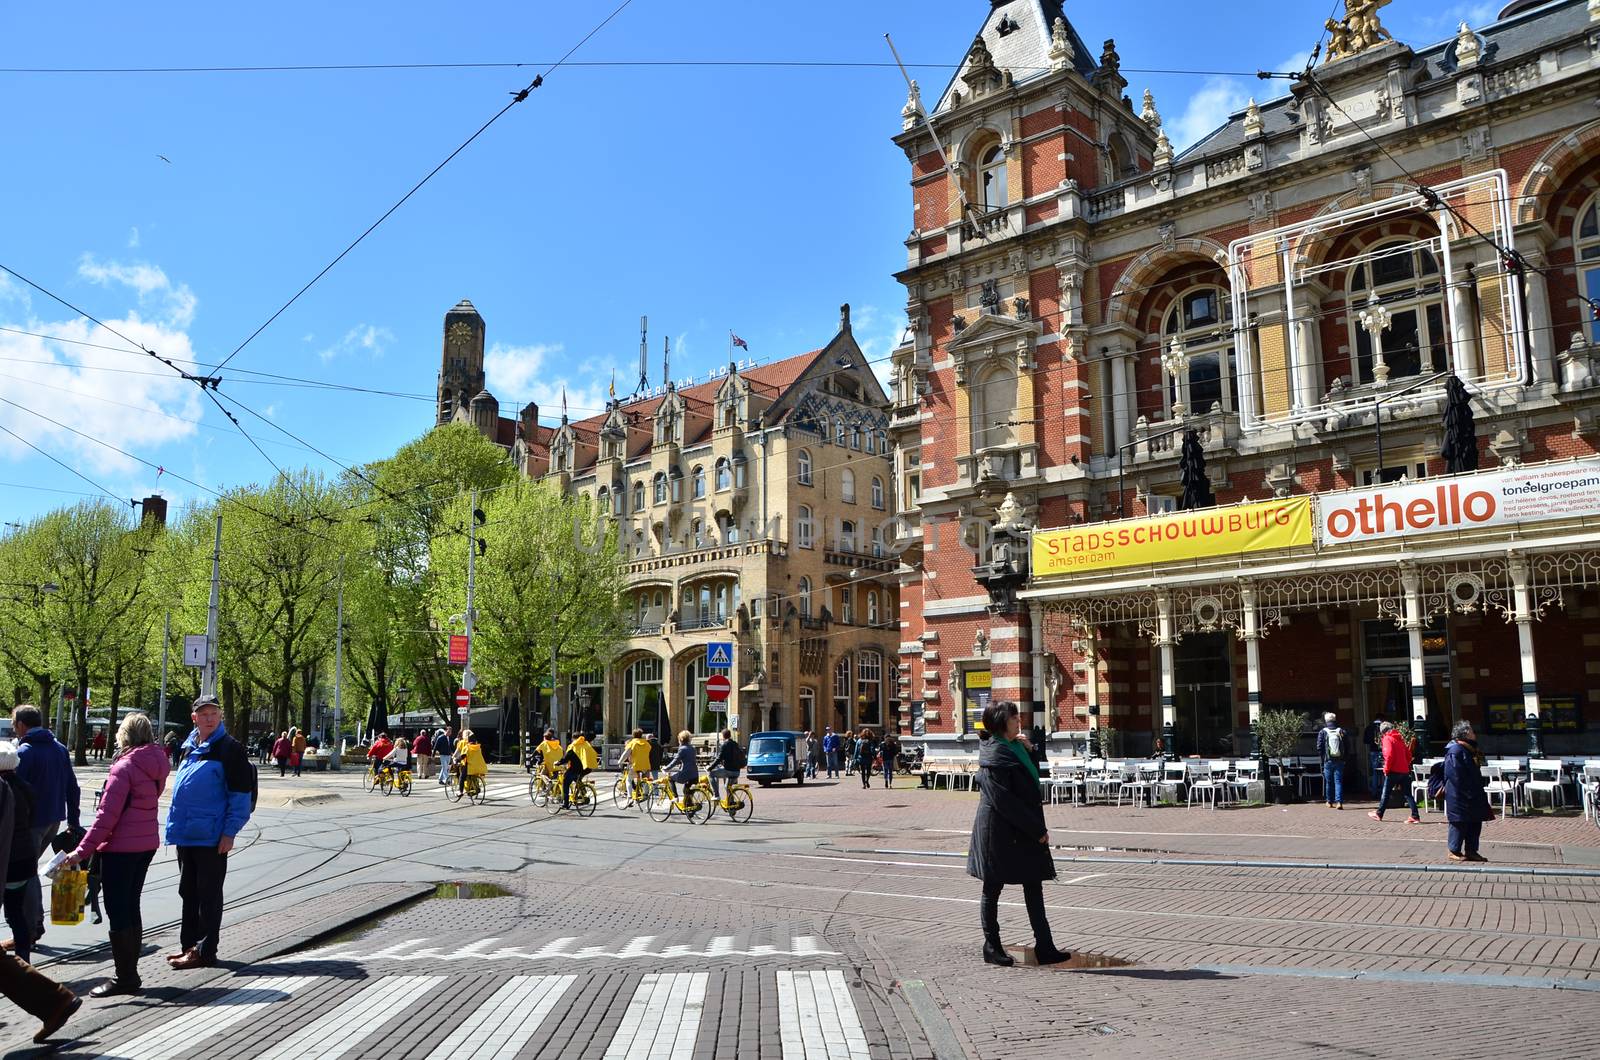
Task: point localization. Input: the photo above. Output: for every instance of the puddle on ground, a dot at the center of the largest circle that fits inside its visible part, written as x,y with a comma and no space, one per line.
1082,960
470,890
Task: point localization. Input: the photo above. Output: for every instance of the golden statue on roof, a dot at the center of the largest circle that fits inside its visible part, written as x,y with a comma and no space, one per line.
1359,30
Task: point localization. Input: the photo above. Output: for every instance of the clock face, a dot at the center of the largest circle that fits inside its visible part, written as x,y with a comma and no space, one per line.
460,333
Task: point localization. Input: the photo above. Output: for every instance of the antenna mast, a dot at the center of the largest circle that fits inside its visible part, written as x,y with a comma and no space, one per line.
644,371
666,360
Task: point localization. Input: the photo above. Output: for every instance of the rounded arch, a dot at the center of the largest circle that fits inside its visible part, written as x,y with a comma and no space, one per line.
1554,169
1314,245
1150,268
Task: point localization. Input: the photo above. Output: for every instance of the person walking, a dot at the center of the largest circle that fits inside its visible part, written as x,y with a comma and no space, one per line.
42,998
658,755
43,762
125,835
1333,745
1466,805
99,744
1395,767
281,750
174,748
864,750
1010,841
210,804
297,757
802,754
1372,740
22,860
420,750
813,755
847,746
889,751
830,750
444,745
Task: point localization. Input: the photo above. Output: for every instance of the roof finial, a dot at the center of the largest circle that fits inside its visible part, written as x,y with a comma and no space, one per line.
844,317
1149,115
912,112
563,403
1061,50
1252,119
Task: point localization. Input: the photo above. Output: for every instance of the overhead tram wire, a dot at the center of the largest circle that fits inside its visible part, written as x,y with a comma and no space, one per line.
63,464
516,97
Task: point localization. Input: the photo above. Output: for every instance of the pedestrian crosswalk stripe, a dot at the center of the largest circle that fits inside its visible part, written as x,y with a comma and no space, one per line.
199,1025
662,1019
501,1025
566,949
810,1001
340,1030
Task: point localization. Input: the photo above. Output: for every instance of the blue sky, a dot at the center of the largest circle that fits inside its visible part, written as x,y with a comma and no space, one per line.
710,198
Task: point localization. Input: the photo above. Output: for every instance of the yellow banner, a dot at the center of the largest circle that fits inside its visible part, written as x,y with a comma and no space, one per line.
1168,538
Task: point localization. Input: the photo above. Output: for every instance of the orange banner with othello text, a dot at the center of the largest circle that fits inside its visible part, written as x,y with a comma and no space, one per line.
1204,534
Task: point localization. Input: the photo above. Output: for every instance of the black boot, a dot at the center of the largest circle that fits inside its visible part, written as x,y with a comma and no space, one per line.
1044,947
125,947
994,951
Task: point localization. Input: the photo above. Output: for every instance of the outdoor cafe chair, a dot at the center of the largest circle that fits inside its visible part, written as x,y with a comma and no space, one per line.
1173,779
1419,784
1544,774
1139,782
1203,783
1246,771
1589,783
1498,787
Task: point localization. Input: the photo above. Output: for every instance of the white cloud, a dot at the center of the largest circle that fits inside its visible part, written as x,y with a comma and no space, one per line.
13,291
1207,109
370,339
519,374
177,300
1428,28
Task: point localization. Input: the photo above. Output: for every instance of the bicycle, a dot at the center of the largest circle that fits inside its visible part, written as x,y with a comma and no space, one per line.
541,786
396,780
475,788
737,801
369,780
696,810
452,785
585,798
635,794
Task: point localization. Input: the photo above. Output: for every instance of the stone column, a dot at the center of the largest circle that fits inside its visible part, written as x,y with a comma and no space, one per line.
1541,331
1522,612
1041,709
1122,403
1091,661
1411,582
1308,386
1165,640
1252,656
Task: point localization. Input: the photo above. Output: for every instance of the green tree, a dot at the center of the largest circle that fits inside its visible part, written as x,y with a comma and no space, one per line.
549,583
30,653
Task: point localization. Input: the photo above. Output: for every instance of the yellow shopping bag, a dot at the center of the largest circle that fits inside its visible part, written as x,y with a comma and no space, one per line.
67,895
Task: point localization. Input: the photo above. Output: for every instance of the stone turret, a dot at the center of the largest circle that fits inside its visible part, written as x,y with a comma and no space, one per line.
461,375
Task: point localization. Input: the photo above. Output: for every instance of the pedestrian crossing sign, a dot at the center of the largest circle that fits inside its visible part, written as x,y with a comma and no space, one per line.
719,655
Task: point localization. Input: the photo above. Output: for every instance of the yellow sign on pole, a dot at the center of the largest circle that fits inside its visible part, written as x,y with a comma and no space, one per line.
1161,539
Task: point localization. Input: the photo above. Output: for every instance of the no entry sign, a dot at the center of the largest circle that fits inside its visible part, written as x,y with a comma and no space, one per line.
718,688
463,698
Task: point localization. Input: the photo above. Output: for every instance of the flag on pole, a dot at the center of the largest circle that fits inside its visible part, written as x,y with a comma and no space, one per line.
563,403
737,341
613,384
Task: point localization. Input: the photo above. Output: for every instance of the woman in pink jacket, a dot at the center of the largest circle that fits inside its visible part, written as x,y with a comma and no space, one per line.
126,835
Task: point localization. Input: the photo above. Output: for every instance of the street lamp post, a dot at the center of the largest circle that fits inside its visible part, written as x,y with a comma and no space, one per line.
1375,320
1175,362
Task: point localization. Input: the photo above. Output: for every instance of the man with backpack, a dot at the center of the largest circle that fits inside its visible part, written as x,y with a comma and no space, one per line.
1333,744
730,759
212,798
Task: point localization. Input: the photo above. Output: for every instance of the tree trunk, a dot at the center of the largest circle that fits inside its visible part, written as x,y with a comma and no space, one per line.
46,687
308,689
236,715
80,744
116,694
280,708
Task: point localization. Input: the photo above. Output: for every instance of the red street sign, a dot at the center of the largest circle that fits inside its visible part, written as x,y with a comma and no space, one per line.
458,649
718,687
463,698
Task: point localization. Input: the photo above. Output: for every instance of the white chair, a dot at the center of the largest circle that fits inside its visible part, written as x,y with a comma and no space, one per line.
1203,784
1499,787
1139,782
1100,781
1588,786
1246,771
1419,784
1308,773
1173,778
1544,774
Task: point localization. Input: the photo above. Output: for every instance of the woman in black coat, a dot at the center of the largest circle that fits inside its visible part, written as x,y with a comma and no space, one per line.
1010,843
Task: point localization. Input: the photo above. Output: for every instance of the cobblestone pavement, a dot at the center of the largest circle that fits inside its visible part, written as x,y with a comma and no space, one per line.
840,923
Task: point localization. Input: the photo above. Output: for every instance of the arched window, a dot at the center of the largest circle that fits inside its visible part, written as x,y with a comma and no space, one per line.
638,496
847,486
698,479
802,463
808,710
1121,158
847,604
872,607
660,600
869,688
641,696
619,494
696,706
1200,322
1586,252
841,694
841,433
605,499
847,536
803,595
677,484
992,185
855,437
724,479
803,527
660,487
994,405
883,441
877,492
1404,279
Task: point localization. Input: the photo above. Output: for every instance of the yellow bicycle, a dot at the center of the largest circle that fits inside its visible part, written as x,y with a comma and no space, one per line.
585,798
396,780
695,807
473,787
631,789
369,780
737,801
541,787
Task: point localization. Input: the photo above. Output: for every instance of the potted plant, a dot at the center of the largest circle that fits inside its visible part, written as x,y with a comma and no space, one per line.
1280,738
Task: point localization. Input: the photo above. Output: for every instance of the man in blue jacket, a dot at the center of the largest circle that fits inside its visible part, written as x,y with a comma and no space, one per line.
830,750
44,764
211,798
1466,806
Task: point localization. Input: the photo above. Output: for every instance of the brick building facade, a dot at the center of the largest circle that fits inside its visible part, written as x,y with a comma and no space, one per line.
1298,289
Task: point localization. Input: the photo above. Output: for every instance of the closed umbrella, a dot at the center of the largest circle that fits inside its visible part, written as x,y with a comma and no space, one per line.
1192,474
1460,450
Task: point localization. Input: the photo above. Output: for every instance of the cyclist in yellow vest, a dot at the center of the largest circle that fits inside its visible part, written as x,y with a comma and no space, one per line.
549,751
636,756
580,760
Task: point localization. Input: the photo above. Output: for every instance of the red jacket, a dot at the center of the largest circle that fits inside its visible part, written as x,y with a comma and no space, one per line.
282,748
380,747
422,745
1396,755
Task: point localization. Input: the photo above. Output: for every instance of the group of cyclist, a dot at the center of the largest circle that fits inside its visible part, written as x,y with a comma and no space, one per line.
643,758
459,758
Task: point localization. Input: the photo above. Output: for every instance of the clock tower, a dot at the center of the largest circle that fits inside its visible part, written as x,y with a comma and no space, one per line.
461,375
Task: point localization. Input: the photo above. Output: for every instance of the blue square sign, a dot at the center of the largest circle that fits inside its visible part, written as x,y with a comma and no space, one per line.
719,655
